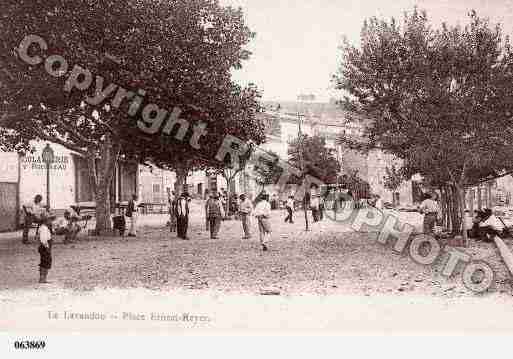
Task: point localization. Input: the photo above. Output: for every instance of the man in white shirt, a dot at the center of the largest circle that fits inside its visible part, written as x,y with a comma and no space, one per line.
430,209
491,225
379,202
245,209
263,213
33,211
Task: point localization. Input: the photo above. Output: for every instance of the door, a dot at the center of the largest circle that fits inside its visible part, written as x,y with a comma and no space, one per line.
8,206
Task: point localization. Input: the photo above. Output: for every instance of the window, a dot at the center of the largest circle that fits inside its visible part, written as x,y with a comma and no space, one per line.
156,188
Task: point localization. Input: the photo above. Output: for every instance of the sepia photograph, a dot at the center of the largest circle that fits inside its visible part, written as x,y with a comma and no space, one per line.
211,167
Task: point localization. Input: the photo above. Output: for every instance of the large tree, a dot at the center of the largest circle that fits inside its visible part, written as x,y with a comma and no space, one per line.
268,172
439,99
180,53
319,161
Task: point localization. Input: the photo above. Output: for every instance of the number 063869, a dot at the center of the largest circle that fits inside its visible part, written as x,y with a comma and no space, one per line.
29,344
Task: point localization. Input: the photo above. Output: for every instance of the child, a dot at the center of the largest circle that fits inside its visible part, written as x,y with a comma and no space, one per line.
45,247
263,213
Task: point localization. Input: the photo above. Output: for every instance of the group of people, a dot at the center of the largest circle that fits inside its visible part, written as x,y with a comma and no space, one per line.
485,224
36,213
215,212
47,225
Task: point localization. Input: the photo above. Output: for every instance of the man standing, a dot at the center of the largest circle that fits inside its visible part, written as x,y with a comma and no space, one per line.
430,209
182,216
214,212
132,212
246,207
379,202
263,213
172,218
290,209
314,202
33,211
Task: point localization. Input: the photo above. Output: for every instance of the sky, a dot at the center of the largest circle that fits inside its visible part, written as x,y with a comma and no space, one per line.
296,46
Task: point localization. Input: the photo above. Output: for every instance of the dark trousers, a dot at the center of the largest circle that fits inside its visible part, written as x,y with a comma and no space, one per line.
289,216
182,222
488,233
315,214
46,255
214,225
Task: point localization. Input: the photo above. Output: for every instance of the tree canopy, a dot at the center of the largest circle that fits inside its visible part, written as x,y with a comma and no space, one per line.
439,99
319,160
174,54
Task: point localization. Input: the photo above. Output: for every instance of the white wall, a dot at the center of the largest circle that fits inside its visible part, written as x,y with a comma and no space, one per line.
62,177
9,167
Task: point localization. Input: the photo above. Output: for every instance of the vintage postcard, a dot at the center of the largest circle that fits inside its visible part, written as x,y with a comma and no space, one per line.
243,166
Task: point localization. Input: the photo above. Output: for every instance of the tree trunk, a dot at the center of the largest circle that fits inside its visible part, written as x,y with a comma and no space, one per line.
490,197
101,172
447,208
471,202
461,196
456,216
443,206
102,199
449,204
228,180
181,181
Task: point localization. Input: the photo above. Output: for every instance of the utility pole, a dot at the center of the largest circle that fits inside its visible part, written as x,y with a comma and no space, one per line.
302,165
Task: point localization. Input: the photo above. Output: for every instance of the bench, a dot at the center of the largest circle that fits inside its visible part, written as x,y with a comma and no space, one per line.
154,208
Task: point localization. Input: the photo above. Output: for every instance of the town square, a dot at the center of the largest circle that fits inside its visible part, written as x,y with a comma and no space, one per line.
178,151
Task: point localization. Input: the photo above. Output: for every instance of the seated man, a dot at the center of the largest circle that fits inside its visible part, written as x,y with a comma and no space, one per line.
490,225
475,231
69,227
32,211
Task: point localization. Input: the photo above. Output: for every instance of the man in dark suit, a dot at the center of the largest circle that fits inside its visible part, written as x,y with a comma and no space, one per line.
182,215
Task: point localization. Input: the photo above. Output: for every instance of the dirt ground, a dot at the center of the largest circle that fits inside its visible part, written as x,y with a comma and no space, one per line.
327,280
328,260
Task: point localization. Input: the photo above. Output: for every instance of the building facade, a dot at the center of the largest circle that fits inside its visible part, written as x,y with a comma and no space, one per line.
328,121
22,177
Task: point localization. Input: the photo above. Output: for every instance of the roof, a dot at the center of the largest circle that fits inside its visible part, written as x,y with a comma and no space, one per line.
324,113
